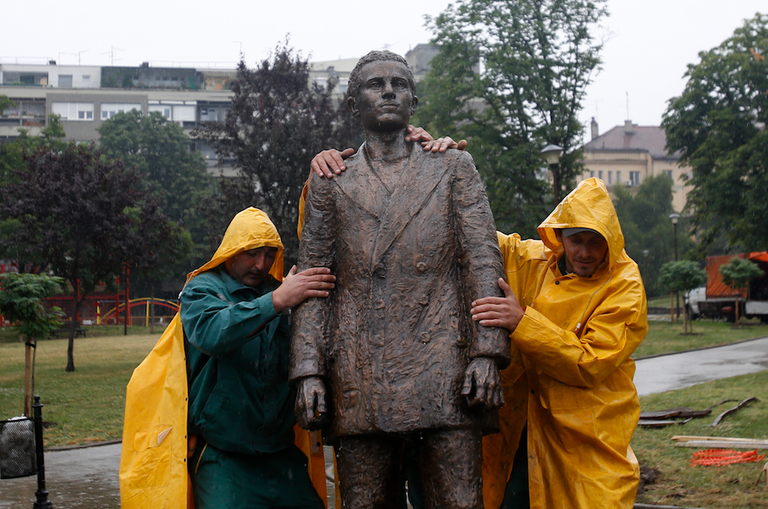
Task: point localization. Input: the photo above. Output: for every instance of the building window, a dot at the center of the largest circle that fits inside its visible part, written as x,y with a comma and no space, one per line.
109,110
65,80
600,174
618,177
73,111
669,174
591,174
610,177
634,178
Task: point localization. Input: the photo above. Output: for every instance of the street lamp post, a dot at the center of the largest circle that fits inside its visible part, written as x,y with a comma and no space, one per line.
645,266
675,218
552,155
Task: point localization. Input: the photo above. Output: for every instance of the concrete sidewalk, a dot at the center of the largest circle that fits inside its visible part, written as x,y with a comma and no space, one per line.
88,478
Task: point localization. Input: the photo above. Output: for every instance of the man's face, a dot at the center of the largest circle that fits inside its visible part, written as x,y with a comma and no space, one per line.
250,267
584,252
384,101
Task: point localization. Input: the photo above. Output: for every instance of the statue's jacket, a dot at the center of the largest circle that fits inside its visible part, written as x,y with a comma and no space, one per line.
393,340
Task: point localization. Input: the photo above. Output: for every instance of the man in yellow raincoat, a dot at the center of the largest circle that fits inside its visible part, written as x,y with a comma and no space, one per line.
576,309
226,353
576,306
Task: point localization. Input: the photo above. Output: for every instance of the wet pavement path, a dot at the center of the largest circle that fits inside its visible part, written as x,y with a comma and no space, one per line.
75,479
88,478
675,371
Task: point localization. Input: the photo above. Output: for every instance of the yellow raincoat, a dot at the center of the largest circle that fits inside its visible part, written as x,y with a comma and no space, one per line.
575,340
153,468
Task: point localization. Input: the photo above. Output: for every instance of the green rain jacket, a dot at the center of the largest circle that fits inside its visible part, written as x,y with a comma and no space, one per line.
237,353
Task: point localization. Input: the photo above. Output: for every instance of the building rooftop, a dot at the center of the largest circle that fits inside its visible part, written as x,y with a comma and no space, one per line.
634,138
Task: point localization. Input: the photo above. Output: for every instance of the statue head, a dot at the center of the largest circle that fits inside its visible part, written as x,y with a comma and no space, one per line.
382,91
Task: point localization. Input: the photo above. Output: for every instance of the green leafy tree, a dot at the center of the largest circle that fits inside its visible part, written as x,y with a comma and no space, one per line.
5,103
160,151
278,121
537,59
21,301
75,213
644,218
160,248
737,275
682,276
718,125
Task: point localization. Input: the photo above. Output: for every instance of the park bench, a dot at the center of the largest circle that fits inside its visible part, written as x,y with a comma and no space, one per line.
64,329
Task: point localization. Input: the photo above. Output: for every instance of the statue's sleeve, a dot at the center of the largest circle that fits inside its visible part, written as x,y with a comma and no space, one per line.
479,258
309,335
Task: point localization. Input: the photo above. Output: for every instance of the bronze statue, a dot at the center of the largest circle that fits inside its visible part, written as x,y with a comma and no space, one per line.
411,239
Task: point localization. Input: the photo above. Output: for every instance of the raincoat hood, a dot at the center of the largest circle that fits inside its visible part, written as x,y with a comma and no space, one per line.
587,206
249,229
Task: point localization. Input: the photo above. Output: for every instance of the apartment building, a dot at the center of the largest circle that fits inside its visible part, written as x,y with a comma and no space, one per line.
626,155
86,96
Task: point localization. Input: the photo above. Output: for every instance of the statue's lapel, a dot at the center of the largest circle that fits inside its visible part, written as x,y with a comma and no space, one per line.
362,186
409,196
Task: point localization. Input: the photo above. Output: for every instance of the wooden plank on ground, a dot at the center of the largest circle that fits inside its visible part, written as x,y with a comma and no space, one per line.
725,444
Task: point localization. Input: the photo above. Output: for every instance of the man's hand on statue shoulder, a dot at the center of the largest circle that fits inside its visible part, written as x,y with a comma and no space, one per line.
419,134
482,385
297,287
331,162
503,312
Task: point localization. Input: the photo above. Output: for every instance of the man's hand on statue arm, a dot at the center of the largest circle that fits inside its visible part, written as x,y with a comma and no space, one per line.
297,287
310,403
482,385
503,312
331,162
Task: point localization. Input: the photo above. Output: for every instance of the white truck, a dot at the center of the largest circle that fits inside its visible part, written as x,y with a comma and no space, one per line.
716,300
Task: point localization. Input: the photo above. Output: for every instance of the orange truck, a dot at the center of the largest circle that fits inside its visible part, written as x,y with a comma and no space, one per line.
717,300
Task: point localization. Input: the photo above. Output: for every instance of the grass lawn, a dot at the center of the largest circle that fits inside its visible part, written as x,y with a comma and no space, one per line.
660,302
666,337
86,405
9,334
681,484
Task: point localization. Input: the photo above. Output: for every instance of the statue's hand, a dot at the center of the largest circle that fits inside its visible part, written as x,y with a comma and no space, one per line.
482,385
310,403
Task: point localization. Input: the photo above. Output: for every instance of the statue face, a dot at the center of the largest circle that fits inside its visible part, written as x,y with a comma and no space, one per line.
384,101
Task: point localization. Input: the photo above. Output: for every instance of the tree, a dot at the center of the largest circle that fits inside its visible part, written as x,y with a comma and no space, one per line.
278,121
75,215
161,247
682,276
159,150
5,103
737,275
718,125
21,300
510,77
12,160
644,218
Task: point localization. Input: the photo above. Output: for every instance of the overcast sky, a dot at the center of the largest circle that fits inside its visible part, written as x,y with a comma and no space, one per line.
648,43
